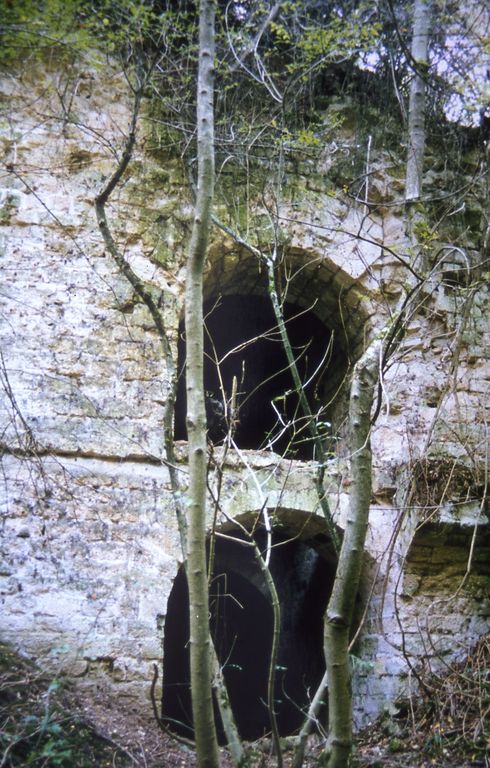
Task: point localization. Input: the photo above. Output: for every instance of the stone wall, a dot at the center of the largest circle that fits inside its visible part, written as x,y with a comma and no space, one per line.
90,546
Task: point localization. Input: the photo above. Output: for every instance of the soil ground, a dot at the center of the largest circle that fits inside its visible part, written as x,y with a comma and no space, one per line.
43,724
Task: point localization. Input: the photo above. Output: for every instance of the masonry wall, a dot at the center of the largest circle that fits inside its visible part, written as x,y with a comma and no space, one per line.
90,545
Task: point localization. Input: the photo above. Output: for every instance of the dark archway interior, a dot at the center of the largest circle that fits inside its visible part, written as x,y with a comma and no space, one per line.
242,623
241,334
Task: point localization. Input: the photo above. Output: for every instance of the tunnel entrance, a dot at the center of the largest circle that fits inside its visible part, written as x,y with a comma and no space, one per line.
243,344
241,620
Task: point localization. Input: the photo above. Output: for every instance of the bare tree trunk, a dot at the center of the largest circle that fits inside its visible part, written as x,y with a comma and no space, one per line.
309,722
338,618
304,404
417,99
200,651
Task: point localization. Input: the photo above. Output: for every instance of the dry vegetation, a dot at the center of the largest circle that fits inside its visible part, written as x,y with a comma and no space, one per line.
448,726
43,723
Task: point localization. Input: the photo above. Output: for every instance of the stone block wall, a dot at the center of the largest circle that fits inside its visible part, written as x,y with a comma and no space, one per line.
90,546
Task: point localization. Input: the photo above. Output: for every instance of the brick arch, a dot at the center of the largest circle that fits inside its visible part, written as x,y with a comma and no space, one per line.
309,279
327,316
450,600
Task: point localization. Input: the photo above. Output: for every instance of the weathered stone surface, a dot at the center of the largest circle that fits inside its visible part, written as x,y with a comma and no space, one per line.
90,545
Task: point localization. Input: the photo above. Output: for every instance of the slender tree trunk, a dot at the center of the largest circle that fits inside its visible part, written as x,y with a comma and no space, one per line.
200,652
304,405
417,99
340,609
309,722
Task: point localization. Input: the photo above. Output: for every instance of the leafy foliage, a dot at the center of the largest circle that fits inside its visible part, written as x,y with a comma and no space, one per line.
32,29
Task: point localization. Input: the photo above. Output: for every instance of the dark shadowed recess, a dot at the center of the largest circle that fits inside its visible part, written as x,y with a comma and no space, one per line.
439,555
242,342
242,622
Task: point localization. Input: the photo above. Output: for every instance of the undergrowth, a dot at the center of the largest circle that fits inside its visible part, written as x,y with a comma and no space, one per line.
37,727
455,711
447,726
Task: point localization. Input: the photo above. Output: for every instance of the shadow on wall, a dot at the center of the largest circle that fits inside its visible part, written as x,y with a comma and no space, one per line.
242,624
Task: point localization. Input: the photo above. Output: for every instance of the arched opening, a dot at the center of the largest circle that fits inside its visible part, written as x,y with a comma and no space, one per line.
241,620
439,585
244,354
327,313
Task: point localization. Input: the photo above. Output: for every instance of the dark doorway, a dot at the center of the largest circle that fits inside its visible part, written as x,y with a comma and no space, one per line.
242,623
242,342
